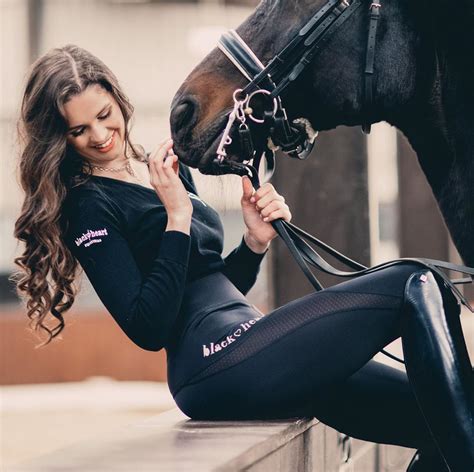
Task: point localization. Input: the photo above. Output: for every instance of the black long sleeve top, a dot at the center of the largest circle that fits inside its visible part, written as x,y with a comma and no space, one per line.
116,230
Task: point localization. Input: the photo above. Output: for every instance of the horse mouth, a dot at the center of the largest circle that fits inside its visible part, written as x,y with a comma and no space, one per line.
206,164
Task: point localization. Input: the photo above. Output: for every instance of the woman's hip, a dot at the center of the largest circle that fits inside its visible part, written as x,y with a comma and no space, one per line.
211,332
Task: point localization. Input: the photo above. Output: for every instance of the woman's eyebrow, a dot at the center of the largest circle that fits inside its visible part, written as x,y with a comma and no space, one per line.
80,126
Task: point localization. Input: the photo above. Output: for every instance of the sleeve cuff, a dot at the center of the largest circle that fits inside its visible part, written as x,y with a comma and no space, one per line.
175,246
247,254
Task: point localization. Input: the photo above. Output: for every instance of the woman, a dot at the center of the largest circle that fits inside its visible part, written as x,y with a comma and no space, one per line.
152,250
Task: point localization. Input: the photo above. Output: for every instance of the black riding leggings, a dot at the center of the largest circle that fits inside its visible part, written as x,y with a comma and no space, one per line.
310,357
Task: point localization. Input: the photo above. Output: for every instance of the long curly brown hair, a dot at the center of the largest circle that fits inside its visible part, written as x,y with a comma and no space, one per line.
48,167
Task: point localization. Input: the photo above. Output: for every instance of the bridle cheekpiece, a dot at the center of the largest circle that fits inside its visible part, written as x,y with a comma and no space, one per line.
266,83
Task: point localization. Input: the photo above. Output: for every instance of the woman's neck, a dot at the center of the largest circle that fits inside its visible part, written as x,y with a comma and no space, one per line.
133,171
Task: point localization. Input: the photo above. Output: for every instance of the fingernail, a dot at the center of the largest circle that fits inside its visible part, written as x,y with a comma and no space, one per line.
252,199
266,218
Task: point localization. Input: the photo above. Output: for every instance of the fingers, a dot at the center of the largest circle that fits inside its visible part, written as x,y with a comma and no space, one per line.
158,155
171,162
264,189
163,164
271,207
269,203
276,209
285,215
247,188
265,194
268,199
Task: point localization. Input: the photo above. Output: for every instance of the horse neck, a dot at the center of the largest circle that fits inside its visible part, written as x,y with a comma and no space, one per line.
441,131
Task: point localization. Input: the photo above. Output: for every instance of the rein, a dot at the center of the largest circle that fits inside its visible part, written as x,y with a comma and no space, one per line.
297,138
297,240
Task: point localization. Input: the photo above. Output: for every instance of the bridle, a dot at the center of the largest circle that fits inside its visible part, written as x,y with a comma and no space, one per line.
297,138
268,82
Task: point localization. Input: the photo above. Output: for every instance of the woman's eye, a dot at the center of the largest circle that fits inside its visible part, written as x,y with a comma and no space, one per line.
103,117
77,133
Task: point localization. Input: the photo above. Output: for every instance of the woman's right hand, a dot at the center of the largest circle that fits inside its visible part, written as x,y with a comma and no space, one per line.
164,178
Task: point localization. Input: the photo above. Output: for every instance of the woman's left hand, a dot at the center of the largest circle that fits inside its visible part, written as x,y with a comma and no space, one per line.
259,209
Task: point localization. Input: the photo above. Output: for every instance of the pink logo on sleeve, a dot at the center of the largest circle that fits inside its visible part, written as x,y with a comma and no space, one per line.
91,237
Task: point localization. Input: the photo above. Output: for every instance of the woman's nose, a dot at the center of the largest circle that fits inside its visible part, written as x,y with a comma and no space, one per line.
98,135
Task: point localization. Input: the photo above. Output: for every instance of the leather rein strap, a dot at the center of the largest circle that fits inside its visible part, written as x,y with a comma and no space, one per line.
297,240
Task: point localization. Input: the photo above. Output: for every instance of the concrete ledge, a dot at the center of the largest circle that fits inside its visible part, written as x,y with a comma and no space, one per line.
172,442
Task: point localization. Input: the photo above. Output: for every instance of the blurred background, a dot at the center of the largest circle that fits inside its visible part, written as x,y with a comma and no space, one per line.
364,195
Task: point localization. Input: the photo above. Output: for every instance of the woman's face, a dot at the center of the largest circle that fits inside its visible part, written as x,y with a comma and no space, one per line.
96,127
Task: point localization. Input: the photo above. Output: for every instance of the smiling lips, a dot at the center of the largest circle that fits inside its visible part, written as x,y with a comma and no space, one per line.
108,145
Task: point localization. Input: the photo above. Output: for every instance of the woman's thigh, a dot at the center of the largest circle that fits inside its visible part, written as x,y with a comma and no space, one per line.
326,335
278,366
312,357
374,404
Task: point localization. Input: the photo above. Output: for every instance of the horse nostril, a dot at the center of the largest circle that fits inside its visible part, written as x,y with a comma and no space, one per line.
183,115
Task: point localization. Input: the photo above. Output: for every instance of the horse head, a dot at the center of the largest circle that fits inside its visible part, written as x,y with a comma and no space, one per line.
421,83
328,93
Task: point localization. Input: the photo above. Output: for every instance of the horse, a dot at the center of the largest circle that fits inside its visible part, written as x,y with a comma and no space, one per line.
420,83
